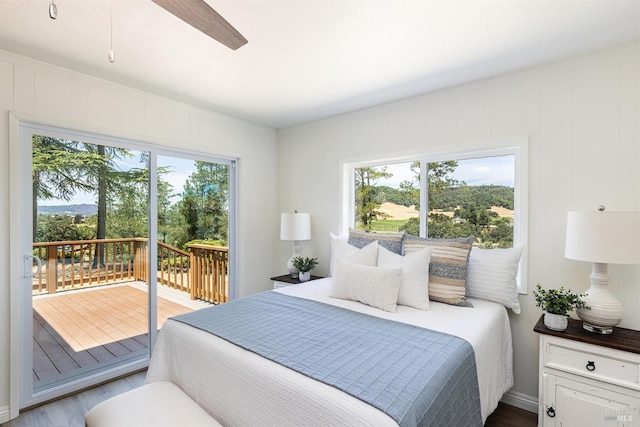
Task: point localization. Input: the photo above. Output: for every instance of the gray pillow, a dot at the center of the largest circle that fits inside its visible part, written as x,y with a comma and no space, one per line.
390,241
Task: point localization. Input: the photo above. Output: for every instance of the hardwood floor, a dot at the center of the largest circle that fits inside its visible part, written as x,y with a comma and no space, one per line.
510,416
69,412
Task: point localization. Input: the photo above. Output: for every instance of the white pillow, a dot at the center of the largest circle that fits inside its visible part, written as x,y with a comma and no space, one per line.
492,275
374,286
414,289
341,250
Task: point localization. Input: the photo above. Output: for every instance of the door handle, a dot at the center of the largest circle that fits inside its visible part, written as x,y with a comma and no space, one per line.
28,266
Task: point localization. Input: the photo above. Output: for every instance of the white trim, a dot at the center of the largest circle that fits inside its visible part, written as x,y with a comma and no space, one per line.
4,414
517,146
14,270
521,400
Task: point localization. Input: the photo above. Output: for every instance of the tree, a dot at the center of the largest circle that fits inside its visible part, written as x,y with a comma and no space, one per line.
366,205
106,179
56,228
439,178
59,170
205,202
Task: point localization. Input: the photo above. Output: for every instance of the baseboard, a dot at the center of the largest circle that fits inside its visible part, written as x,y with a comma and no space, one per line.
520,400
5,415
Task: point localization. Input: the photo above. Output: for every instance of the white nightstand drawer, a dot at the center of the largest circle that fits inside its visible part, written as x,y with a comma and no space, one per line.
592,362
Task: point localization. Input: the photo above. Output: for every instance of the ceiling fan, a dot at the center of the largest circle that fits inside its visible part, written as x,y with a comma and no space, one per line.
201,16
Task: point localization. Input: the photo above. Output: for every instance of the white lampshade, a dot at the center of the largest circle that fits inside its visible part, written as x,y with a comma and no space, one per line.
604,237
295,226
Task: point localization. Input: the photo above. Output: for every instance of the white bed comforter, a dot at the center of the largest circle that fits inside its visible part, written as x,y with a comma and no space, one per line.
240,388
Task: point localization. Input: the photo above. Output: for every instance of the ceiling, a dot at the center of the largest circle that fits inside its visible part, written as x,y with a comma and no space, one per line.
311,59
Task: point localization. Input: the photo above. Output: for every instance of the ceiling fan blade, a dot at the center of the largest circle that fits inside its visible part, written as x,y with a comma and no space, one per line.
201,16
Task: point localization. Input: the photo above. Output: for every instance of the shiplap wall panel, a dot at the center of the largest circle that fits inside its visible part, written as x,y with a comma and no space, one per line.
193,131
450,119
629,89
155,119
6,86
548,210
400,124
179,125
52,96
435,115
596,134
129,113
506,107
24,89
467,116
101,107
484,94
79,102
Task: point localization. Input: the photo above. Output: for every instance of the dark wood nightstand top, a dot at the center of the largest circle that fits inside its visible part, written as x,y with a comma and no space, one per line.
286,278
621,338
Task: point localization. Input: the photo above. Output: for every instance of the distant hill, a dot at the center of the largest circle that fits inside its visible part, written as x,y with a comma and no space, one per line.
452,197
84,209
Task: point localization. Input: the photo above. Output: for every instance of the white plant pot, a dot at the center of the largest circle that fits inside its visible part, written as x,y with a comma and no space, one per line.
304,276
555,322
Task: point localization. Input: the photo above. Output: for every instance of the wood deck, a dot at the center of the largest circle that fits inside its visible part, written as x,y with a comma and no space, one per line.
75,332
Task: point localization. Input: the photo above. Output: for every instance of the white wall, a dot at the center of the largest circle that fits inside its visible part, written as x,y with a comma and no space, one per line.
582,117
47,94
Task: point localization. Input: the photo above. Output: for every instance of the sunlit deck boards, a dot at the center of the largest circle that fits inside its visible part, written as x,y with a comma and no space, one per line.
79,330
52,355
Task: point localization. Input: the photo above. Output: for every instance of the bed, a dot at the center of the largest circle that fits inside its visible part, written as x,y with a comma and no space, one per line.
241,388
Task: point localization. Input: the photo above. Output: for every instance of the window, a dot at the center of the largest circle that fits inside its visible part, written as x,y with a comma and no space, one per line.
443,195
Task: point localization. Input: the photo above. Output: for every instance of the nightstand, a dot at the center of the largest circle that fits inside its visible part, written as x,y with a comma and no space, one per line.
588,379
286,280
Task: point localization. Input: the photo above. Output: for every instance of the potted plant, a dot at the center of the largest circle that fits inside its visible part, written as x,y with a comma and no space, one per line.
557,303
305,265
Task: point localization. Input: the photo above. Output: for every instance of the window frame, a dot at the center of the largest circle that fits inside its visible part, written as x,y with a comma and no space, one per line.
518,146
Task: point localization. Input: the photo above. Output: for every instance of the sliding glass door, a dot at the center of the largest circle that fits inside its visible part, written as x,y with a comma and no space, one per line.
94,290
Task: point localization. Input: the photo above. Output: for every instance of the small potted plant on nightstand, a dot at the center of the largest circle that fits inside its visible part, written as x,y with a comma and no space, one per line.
305,265
557,303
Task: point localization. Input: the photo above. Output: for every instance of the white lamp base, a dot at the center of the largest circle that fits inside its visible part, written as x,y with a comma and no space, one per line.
292,270
606,311
296,252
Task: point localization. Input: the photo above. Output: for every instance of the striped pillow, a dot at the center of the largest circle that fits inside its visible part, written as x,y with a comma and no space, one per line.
389,241
448,267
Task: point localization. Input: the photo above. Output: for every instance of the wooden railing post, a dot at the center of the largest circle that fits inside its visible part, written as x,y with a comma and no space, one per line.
52,268
193,275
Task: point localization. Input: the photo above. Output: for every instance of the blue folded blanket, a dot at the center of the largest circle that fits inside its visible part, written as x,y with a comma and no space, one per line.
417,376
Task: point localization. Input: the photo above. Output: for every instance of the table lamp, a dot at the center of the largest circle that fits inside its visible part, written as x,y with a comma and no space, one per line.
295,227
602,238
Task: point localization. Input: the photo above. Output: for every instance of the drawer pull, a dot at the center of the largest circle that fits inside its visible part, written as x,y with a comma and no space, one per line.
551,412
591,366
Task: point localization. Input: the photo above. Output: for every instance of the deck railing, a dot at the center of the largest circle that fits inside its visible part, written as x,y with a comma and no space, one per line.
209,273
68,265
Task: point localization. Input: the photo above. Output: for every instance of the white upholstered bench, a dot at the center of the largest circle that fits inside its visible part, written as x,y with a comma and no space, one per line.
156,404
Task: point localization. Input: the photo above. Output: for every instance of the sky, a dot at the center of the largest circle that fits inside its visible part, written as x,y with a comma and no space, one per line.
498,170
